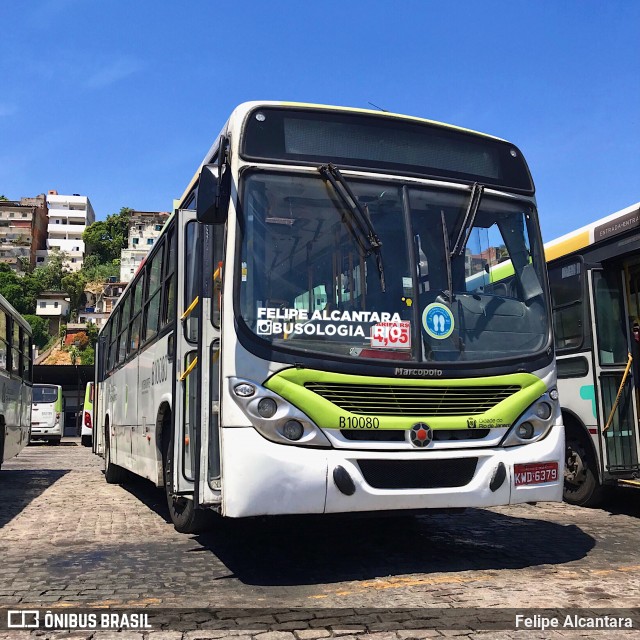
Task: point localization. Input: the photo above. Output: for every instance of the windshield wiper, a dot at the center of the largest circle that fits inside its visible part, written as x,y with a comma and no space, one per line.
469,217
362,230
448,254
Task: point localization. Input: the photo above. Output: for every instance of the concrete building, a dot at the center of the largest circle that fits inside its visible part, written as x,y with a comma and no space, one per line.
54,306
144,228
23,231
94,310
69,216
112,291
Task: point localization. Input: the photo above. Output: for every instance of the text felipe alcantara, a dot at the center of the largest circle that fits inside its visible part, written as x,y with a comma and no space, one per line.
572,621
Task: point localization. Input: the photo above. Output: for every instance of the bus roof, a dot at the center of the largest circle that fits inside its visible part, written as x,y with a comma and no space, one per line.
239,113
612,225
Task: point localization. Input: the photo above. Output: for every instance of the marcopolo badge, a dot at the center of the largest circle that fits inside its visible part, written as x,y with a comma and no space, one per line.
437,321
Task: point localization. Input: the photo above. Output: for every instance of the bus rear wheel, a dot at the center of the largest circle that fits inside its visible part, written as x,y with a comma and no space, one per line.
113,474
581,485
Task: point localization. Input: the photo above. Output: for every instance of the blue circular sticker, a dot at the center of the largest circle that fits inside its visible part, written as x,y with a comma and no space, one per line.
437,321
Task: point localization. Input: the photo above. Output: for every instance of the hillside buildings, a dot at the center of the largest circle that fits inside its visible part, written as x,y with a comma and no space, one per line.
23,231
144,229
69,216
55,306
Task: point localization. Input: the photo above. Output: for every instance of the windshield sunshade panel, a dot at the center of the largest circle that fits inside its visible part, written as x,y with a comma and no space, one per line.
308,286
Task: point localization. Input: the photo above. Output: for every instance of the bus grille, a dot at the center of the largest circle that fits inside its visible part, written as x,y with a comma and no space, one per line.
389,435
412,401
418,474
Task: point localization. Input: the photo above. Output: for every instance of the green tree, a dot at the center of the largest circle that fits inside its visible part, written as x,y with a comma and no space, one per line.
51,274
92,333
106,238
96,272
40,328
3,197
24,263
13,289
73,285
88,356
74,353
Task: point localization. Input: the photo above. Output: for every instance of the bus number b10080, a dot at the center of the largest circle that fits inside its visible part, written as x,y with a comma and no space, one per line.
359,422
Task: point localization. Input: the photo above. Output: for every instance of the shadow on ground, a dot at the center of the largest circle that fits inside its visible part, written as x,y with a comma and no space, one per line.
304,550
18,487
623,501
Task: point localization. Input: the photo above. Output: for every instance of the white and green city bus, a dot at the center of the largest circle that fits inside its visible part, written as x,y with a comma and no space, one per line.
47,413
86,433
594,273
15,381
316,330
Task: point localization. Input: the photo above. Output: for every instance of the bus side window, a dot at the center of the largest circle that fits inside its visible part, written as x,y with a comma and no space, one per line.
154,294
113,346
169,310
26,356
567,297
193,271
103,352
124,329
3,340
136,316
15,348
218,267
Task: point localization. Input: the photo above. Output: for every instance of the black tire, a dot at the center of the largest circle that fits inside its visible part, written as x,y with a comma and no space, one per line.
184,516
86,441
581,485
1,441
113,473
55,442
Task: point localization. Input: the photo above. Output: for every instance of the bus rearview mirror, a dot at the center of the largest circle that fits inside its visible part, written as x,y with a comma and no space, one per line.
212,203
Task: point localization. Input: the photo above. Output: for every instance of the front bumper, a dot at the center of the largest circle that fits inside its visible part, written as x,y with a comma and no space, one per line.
264,478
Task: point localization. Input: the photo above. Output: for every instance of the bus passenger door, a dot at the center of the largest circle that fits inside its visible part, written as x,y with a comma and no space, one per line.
186,397
211,241
616,397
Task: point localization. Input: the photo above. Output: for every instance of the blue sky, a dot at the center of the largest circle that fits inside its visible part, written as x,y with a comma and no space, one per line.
120,101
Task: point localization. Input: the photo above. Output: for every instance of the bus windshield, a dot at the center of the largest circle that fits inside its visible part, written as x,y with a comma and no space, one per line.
308,285
44,394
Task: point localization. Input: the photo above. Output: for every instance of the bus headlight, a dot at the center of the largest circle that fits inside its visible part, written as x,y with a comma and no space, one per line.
244,390
275,418
267,407
293,430
525,431
543,410
533,424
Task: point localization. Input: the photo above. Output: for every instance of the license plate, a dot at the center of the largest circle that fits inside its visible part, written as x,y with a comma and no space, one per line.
537,473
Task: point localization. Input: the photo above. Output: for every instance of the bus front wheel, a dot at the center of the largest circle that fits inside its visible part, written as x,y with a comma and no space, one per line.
581,485
185,517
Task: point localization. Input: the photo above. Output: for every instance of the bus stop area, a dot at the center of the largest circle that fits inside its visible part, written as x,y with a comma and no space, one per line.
71,541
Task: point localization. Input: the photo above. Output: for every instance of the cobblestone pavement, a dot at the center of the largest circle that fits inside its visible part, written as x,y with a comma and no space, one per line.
68,539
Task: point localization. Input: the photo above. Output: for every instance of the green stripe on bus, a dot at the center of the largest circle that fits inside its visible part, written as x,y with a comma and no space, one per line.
290,384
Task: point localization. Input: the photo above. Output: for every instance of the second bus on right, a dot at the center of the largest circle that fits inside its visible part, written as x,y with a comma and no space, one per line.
594,273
